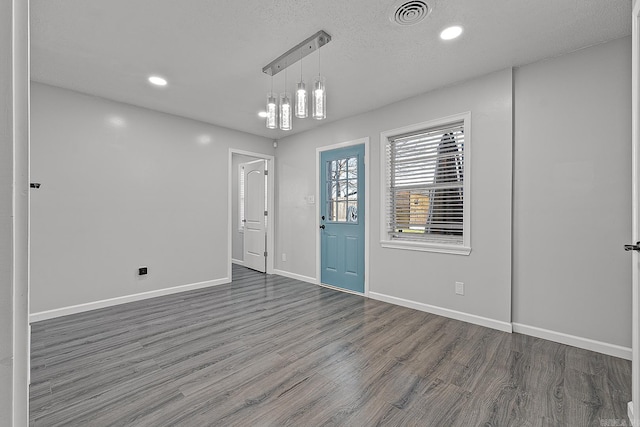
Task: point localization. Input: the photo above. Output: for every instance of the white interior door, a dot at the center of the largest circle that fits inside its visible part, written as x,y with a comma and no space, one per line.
255,241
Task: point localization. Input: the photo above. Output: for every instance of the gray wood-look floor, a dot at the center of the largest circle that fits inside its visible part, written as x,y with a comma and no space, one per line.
267,350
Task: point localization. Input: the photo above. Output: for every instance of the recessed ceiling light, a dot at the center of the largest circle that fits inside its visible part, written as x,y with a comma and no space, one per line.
262,114
451,33
204,139
116,121
157,80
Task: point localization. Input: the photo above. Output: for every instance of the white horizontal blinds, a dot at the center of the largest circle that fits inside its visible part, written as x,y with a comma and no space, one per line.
426,184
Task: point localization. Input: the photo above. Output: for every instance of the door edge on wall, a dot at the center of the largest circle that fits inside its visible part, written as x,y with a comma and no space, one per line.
634,406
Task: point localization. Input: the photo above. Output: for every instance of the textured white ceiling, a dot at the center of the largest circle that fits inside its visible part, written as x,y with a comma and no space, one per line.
212,51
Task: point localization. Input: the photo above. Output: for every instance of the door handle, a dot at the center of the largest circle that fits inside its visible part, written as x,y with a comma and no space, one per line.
322,226
635,247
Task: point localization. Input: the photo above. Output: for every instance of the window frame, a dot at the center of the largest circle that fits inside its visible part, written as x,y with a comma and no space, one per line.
386,241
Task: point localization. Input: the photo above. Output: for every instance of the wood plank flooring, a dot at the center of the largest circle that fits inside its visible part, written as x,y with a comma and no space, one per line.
272,351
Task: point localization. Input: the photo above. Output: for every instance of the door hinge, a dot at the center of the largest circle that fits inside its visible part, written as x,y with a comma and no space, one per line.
265,253
266,172
265,213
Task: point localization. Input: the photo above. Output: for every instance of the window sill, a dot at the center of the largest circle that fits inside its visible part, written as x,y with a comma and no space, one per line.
442,248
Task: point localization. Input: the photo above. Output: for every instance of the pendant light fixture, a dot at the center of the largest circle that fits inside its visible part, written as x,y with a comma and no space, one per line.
280,115
285,106
272,109
319,96
302,108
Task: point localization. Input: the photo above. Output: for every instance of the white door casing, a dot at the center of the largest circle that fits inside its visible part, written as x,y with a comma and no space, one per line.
634,406
254,216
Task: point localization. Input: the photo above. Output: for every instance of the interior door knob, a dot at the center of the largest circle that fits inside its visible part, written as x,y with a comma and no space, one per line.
322,226
635,247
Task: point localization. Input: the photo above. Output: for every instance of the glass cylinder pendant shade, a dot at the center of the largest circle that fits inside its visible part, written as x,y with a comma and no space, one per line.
302,109
272,111
319,99
285,111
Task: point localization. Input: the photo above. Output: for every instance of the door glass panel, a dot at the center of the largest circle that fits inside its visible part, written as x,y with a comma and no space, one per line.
342,190
341,214
331,191
337,211
352,212
333,170
352,189
352,168
331,211
342,168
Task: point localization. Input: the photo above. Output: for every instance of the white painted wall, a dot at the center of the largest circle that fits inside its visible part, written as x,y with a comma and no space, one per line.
14,210
124,187
422,277
237,243
572,204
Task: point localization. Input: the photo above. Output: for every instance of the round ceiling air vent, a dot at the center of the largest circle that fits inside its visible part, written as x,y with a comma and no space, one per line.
409,12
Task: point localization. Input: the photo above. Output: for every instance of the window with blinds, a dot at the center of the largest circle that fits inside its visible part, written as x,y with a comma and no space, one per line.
426,183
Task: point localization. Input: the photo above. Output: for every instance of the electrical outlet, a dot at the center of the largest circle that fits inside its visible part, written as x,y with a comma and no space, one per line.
284,257
142,271
459,288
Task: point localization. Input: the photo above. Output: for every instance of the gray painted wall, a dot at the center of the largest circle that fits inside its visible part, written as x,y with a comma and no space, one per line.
124,187
572,148
572,197
572,204
422,277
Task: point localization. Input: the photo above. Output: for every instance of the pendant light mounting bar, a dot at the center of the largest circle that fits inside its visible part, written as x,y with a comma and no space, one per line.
297,52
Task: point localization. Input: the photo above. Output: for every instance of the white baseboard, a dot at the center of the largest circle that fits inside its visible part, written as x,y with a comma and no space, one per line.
296,276
630,414
237,261
64,311
585,343
347,291
453,314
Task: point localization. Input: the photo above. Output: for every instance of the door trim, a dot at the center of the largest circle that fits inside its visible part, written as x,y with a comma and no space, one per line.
634,405
270,207
16,104
367,221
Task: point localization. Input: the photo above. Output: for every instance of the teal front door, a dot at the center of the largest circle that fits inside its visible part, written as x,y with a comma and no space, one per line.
342,218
